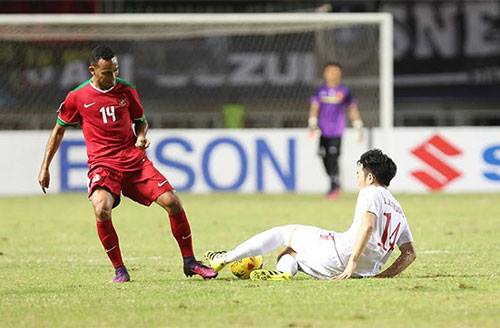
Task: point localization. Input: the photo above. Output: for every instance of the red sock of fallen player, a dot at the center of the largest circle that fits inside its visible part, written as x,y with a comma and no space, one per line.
109,240
182,233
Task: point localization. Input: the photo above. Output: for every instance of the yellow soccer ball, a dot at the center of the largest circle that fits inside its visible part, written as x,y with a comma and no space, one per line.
244,267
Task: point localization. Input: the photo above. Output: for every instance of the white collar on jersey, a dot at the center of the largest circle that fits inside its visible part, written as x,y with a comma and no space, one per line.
102,91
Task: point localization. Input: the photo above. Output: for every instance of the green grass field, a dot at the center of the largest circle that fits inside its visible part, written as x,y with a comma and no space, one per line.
53,272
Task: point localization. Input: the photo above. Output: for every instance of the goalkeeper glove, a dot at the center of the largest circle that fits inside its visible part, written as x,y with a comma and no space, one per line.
313,123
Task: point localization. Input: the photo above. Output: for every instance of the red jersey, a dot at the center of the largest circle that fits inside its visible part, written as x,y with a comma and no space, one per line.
106,117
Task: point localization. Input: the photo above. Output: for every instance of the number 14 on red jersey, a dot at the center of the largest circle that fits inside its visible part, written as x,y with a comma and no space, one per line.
108,112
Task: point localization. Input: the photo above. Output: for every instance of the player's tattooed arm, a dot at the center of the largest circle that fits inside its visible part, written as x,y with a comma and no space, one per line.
407,256
53,144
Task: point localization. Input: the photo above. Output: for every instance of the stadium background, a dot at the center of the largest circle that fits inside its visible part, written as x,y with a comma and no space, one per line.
446,63
446,77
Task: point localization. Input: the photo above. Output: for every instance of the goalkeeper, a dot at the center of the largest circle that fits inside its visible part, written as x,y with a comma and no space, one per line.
327,113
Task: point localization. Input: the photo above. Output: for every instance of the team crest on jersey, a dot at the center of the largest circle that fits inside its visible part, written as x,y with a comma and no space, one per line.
122,102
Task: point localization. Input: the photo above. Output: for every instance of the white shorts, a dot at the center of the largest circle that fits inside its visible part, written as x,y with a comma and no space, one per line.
316,252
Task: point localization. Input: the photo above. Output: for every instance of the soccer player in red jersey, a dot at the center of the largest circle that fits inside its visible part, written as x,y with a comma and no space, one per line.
107,107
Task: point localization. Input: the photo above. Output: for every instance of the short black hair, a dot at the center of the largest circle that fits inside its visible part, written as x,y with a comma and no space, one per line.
380,165
332,63
99,52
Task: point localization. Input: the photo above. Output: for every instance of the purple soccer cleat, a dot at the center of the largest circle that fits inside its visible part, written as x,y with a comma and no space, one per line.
121,274
196,267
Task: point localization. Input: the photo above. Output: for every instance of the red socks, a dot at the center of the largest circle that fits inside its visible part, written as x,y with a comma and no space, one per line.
109,240
180,229
182,233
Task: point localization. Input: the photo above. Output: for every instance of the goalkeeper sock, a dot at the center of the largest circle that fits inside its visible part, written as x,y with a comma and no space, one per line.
109,240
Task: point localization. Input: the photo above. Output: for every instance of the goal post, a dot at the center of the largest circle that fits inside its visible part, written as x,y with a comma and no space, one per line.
274,59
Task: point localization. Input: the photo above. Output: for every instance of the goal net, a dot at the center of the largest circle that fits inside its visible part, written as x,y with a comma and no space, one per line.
188,68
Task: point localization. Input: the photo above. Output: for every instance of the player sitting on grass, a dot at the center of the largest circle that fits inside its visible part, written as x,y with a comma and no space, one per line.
379,224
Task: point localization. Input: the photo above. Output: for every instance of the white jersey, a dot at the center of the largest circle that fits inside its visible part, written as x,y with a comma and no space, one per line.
391,228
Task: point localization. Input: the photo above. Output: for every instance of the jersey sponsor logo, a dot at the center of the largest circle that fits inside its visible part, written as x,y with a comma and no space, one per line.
88,105
332,97
433,153
331,100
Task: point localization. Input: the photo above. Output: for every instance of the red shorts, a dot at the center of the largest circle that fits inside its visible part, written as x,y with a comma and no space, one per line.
143,186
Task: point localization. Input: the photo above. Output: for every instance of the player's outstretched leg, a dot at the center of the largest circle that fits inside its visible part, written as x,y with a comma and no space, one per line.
259,244
182,234
216,259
